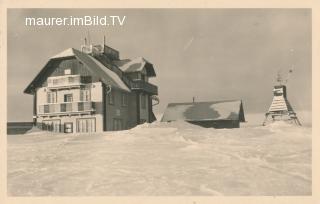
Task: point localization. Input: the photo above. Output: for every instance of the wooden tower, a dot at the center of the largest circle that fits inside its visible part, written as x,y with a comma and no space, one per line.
280,108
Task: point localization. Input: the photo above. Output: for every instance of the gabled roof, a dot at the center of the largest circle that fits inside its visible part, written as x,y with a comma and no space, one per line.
66,53
204,111
95,67
135,65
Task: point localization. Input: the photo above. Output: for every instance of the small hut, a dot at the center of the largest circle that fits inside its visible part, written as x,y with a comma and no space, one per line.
213,114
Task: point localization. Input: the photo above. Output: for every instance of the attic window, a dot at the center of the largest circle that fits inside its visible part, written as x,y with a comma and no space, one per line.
67,71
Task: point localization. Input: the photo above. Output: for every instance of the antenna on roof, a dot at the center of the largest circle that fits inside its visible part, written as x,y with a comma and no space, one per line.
193,99
280,78
87,47
104,40
292,65
89,39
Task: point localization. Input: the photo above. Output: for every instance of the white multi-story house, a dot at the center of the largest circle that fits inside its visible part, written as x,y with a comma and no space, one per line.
92,90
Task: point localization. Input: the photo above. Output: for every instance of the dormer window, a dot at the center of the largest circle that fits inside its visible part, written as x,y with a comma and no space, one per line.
143,77
137,76
67,72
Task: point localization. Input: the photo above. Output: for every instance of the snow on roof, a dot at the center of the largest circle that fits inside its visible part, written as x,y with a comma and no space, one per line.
107,76
135,65
97,68
201,111
66,53
129,65
112,75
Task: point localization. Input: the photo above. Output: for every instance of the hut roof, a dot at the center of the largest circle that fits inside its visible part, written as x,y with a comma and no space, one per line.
204,111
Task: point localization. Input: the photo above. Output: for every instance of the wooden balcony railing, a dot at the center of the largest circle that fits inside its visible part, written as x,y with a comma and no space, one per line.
66,108
145,86
67,81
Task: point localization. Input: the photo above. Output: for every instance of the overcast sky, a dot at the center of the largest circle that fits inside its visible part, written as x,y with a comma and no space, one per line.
212,54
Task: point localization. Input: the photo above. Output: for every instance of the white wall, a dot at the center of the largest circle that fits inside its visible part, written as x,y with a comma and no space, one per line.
96,96
73,119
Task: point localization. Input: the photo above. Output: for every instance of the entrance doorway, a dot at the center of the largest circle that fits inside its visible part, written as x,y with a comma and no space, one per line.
86,125
68,127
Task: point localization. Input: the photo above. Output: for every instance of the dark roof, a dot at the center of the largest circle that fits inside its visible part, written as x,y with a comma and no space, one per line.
135,65
204,111
95,67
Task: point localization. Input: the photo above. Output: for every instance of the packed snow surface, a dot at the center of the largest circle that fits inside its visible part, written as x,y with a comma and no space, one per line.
163,159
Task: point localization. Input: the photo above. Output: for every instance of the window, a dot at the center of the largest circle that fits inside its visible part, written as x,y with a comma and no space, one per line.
55,81
68,127
66,107
143,77
117,124
46,108
81,106
111,97
86,125
84,95
67,71
68,98
71,80
135,75
143,101
51,125
52,97
124,99
138,75
63,107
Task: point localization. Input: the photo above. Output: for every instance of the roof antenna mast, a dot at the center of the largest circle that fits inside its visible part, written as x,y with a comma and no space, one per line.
280,108
89,39
280,78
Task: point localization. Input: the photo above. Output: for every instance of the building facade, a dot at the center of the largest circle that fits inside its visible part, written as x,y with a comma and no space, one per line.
92,90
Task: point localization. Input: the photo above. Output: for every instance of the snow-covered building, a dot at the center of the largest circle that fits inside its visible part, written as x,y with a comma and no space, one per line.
92,90
280,108
216,114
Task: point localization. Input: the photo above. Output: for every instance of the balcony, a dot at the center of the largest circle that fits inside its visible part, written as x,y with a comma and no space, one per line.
145,86
67,81
66,108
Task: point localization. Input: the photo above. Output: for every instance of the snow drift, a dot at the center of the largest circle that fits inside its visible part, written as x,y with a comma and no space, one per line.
163,159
